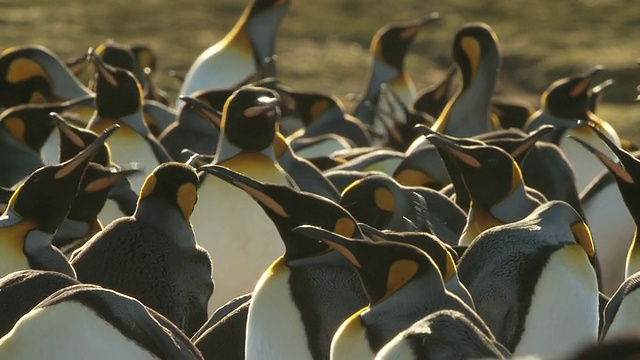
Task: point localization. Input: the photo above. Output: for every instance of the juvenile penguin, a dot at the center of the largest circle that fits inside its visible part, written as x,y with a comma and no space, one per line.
119,101
240,252
247,51
98,323
153,255
34,74
532,282
388,48
444,334
403,285
315,289
36,209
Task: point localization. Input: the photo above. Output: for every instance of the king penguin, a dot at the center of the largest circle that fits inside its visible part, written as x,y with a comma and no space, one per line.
476,52
533,284
622,312
389,47
315,289
613,213
34,74
565,105
444,334
240,252
21,291
36,209
247,51
403,285
89,322
119,101
153,255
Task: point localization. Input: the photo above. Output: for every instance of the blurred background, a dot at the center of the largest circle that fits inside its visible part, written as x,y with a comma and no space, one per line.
323,45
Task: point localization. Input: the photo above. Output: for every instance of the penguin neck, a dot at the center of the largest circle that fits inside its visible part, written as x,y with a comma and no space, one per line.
262,30
167,218
478,220
516,206
380,73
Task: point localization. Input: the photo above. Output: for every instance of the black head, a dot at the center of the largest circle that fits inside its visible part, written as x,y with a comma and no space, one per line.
120,56
175,183
74,139
47,194
391,43
23,78
569,97
433,99
118,92
384,267
249,117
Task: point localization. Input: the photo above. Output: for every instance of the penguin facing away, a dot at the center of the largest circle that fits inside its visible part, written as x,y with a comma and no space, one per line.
105,325
153,255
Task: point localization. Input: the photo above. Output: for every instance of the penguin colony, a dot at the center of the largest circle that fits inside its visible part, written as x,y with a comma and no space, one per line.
254,221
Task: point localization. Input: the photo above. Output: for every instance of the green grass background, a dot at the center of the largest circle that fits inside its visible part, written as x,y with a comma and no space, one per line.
323,45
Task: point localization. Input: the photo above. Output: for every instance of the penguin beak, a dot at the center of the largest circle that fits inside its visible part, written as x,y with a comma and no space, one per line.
85,156
211,114
266,105
66,130
454,149
372,233
337,242
254,188
584,85
104,70
533,138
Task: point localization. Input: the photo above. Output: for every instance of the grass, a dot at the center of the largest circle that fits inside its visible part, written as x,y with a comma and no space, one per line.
323,45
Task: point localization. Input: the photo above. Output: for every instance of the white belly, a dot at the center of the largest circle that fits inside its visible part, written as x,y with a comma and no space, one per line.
50,152
564,312
129,147
11,257
350,341
274,326
84,335
240,238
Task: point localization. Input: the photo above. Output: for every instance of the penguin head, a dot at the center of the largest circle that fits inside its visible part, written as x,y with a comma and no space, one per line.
378,200
556,212
250,116
118,92
203,107
174,183
146,58
120,56
384,267
289,208
568,98
312,106
480,165
433,99
626,171
74,139
34,74
442,254
391,43
474,45
47,194
520,145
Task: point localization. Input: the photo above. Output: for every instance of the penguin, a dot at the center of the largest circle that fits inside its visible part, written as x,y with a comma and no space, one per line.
511,113
597,93
507,200
444,334
306,175
21,291
36,209
34,74
476,51
614,228
620,314
247,51
240,252
153,255
422,167
121,199
315,289
403,285
196,128
148,62
443,255
381,202
322,114
319,146
532,282
565,105
433,99
388,49
382,160
119,101
105,324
